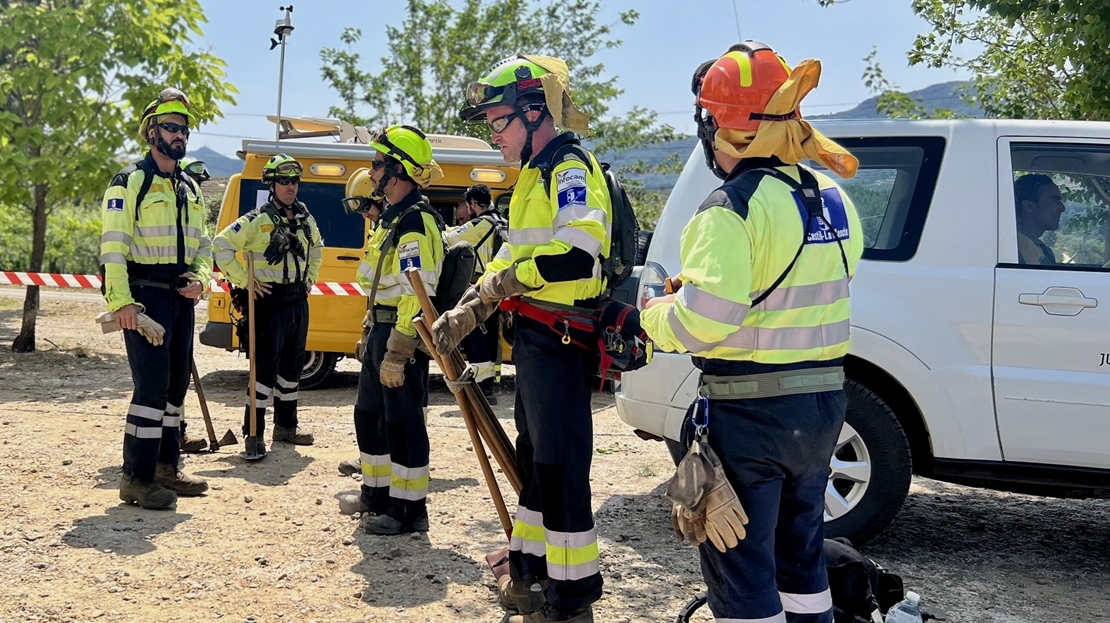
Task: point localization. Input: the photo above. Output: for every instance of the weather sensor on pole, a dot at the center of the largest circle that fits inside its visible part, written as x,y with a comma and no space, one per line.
282,29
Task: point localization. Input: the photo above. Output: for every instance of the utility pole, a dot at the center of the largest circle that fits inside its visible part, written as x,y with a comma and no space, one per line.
282,29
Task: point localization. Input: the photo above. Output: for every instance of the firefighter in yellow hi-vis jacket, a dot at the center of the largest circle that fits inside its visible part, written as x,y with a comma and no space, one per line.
392,386
763,307
287,248
156,261
560,220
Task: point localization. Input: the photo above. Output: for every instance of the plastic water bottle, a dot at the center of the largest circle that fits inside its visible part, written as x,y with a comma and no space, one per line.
906,611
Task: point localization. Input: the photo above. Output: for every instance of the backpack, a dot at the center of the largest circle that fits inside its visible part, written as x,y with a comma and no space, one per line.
458,262
617,268
498,227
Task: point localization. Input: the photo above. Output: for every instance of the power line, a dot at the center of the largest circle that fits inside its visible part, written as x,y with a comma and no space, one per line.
736,14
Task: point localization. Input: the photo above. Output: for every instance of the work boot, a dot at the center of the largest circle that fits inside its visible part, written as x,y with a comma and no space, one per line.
350,468
293,436
146,494
421,523
523,596
193,444
548,614
178,481
383,524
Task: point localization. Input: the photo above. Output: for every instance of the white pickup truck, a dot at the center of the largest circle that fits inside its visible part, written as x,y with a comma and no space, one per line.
980,344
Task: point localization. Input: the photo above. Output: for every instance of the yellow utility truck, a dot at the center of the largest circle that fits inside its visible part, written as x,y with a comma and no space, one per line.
335,322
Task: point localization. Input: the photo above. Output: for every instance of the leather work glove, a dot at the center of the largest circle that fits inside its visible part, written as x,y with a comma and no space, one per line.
147,327
724,516
457,323
279,244
501,285
688,524
367,324
399,350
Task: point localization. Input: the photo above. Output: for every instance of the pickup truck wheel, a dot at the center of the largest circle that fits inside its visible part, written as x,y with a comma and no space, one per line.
318,367
870,469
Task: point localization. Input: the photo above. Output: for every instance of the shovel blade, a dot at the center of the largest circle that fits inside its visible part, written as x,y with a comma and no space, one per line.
255,449
228,439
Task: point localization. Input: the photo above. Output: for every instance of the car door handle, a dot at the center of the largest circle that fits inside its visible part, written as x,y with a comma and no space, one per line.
349,257
1059,301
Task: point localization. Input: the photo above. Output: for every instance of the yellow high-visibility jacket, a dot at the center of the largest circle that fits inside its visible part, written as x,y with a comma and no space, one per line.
157,232
558,239
251,232
733,250
419,246
475,231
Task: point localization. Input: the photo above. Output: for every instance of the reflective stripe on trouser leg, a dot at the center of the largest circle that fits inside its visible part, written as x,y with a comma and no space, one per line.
372,446
799,551
405,431
530,561
150,371
775,452
269,338
179,336
290,362
560,425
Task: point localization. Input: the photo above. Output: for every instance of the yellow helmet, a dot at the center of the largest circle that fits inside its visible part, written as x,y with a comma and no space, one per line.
170,101
411,148
361,192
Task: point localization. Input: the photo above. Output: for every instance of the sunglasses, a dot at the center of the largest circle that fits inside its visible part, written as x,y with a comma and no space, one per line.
285,181
174,128
499,124
377,164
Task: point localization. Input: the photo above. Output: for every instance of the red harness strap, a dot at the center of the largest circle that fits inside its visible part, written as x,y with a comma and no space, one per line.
561,322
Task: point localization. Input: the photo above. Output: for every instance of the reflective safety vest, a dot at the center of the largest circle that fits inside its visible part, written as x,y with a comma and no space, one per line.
251,233
734,249
481,233
162,233
412,242
557,238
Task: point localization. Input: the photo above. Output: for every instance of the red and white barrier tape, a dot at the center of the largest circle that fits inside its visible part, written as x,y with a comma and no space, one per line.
57,280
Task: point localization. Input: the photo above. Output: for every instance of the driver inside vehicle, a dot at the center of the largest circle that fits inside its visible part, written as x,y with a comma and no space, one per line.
1039,205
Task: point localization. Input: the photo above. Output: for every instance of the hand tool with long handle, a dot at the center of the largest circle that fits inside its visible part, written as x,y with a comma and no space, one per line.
255,447
229,437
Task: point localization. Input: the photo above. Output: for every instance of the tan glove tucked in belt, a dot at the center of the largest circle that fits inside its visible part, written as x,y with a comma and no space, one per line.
399,349
151,330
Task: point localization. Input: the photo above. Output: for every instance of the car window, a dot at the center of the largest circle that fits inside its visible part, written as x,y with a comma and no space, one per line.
1062,205
324,202
892,191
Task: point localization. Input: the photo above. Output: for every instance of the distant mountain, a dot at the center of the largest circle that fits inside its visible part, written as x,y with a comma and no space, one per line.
942,95
219,165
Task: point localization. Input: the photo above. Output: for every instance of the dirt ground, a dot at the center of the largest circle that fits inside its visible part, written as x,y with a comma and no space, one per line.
268,544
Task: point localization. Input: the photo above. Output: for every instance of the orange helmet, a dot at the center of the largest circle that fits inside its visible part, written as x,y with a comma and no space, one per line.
733,91
736,87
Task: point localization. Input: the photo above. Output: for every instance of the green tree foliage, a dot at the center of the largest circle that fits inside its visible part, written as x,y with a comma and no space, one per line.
1037,59
74,76
438,49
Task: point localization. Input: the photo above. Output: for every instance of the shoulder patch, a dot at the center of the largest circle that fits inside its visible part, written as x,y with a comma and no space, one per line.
833,223
236,227
115,204
409,255
570,186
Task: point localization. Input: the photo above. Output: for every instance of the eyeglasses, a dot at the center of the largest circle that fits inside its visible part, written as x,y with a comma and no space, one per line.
377,164
174,128
499,124
285,181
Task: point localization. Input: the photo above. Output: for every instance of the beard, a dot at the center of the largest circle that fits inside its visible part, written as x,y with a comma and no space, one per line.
175,153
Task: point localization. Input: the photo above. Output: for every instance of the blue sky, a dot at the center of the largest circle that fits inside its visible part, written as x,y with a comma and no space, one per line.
654,65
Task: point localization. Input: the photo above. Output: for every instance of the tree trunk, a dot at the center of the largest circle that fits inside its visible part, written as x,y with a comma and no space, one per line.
25,341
